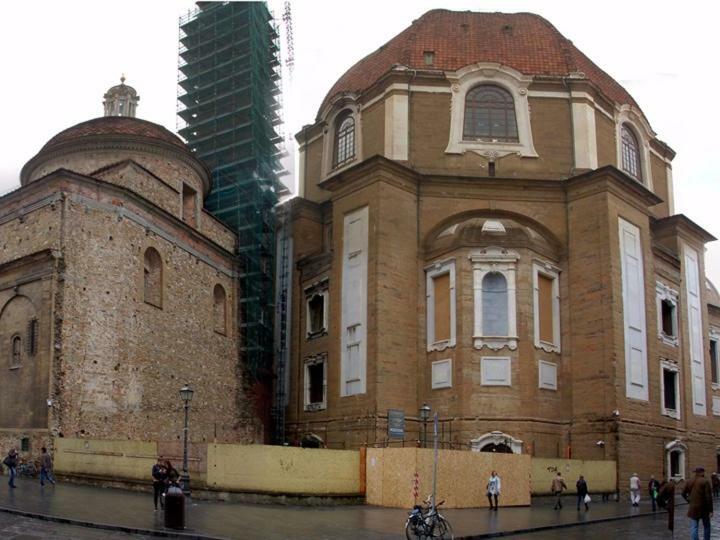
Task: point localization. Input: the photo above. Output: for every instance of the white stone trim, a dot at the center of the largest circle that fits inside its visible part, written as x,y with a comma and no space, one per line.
634,307
670,189
441,374
585,133
691,267
547,375
311,361
670,366
505,77
396,127
675,446
504,261
438,269
496,437
490,367
627,115
551,272
665,292
354,303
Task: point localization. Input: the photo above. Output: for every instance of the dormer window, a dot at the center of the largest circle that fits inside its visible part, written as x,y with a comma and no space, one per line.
344,140
630,153
490,115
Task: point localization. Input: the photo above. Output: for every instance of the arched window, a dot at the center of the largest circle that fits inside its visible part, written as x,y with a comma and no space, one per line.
630,153
220,309
16,351
490,115
495,304
152,277
344,139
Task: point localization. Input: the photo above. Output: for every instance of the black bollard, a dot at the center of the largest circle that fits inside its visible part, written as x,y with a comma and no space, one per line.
174,508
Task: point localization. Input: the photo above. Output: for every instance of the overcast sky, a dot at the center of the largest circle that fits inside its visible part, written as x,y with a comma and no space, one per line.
59,57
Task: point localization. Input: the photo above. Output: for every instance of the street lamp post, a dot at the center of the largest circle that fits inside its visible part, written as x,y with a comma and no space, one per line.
186,394
424,415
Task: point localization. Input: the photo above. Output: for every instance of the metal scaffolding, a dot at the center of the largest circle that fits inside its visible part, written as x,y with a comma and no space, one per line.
229,111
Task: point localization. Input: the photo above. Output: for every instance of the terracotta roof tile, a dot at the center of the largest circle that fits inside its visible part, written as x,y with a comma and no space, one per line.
523,41
115,125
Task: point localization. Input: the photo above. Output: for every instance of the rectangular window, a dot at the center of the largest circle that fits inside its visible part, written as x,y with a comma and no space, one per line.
547,307
667,313
189,206
441,287
32,337
495,371
670,388
440,284
316,309
354,302
442,374
547,375
667,302
316,382
714,361
633,290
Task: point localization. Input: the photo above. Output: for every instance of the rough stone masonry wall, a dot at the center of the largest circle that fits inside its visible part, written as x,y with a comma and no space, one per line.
123,360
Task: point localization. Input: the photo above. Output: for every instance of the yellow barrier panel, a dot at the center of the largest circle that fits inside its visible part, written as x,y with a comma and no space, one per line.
601,476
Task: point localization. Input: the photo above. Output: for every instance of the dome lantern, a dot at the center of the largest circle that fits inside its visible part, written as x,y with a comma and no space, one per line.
121,100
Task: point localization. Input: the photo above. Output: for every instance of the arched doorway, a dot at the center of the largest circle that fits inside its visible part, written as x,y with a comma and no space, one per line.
497,441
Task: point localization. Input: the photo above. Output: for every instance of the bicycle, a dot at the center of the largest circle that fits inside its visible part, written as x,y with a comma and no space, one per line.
427,523
27,469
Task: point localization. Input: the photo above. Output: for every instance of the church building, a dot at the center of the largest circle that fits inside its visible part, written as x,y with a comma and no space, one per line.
116,289
485,225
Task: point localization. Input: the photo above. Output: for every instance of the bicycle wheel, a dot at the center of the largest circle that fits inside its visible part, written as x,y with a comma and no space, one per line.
442,529
411,532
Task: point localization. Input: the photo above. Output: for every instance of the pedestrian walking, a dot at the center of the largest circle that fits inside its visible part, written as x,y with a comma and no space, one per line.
653,489
11,462
557,488
46,467
698,493
159,478
493,490
666,499
582,493
715,481
635,489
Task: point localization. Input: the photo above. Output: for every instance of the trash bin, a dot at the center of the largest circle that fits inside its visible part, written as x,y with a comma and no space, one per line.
174,508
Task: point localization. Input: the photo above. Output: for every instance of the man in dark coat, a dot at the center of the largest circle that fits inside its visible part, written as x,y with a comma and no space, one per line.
11,462
582,491
698,493
666,499
653,489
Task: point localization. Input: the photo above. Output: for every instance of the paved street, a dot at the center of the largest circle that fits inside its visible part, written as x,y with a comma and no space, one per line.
21,528
644,528
134,511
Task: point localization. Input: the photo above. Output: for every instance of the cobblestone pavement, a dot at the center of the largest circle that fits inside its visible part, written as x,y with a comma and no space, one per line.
21,528
642,528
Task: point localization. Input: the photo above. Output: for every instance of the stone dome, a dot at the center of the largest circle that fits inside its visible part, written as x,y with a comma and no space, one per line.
523,41
93,144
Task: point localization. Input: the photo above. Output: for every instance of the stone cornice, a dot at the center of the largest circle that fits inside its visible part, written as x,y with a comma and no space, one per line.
681,225
373,166
132,143
45,184
610,179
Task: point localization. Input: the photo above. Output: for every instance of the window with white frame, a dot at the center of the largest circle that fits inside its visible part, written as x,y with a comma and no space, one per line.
441,306
344,147
547,375
716,405
316,382
714,360
670,389
495,311
316,309
630,153
489,112
495,371
442,374
675,459
546,300
632,135
667,318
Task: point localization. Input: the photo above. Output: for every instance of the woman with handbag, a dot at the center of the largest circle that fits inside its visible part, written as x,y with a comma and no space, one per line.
582,493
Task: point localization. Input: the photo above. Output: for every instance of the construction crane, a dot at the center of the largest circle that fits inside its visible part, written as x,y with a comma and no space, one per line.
289,43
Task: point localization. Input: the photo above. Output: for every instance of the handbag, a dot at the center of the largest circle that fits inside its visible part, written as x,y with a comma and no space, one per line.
587,498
